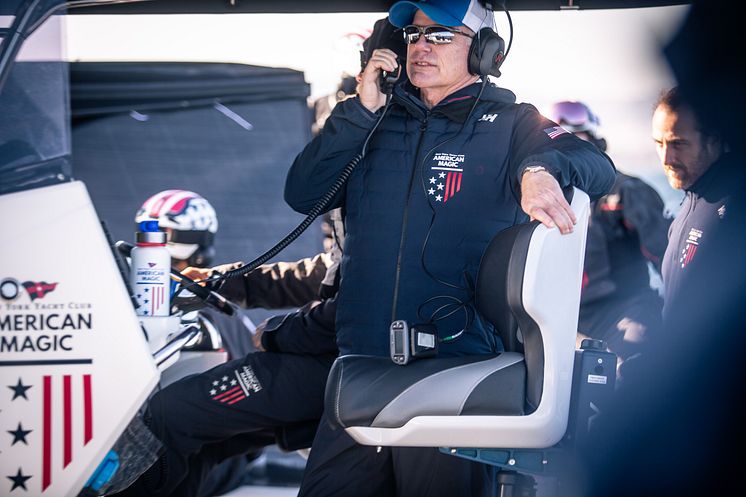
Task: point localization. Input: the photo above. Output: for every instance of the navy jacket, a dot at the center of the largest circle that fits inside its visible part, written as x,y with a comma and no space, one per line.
434,187
704,207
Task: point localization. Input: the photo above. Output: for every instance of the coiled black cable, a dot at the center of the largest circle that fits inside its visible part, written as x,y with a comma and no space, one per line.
317,209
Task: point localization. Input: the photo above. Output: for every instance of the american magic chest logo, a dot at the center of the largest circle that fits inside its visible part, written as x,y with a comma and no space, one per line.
32,320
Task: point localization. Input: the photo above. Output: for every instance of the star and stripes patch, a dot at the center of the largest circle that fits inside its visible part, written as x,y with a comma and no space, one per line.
444,185
446,176
235,386
690,247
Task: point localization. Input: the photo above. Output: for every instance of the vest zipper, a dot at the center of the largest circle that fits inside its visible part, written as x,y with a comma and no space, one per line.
405,218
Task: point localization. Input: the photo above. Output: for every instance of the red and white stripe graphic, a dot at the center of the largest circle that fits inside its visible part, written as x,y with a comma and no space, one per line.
157,298
76,402
687,254
453,185
228,390
172,201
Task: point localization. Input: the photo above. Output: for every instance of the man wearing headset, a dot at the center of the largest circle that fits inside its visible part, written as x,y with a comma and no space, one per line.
449,163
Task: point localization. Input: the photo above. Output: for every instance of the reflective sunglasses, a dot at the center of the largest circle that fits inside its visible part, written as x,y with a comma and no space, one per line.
435,34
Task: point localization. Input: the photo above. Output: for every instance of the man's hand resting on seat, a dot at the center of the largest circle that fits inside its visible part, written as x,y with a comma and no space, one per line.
542,199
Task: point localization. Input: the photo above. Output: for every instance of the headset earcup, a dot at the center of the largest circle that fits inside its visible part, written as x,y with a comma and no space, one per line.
202,257
474,56
486,53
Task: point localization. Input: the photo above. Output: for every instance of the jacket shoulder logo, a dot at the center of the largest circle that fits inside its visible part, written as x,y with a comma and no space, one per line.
690,247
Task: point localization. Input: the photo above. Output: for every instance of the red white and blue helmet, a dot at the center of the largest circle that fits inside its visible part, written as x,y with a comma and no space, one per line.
189,220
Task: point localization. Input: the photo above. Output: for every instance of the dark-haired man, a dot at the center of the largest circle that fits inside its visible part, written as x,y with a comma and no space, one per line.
694,159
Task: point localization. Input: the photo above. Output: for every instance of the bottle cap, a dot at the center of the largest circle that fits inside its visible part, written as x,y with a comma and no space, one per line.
149,233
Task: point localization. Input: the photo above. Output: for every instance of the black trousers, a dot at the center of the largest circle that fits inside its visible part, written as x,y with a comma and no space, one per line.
231,409
338,466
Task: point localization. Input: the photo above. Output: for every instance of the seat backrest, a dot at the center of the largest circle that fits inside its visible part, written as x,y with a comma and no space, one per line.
499,299
519,265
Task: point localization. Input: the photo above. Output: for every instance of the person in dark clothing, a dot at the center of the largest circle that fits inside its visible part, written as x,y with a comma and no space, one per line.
627,232
695,160
191,224
449,163
678,405
242,405
207,422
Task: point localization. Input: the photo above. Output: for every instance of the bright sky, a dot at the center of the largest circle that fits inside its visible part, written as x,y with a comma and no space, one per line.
608,58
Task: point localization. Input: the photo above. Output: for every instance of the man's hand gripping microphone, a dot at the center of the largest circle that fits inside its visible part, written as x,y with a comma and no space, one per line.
388,80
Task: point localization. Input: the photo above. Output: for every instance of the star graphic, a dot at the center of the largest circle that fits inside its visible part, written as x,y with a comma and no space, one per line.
147,290
19,434
440,186
223,387
431,191
442,175
19,390
225,378
439,198
19,480
213,391
432,180
233,382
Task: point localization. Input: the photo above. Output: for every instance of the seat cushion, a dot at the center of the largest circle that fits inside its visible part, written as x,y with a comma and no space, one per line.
375,392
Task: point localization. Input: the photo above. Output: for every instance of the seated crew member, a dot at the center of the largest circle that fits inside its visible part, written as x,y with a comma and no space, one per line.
200,425
191,224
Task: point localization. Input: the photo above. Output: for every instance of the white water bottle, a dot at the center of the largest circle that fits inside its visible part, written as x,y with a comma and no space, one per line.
151,271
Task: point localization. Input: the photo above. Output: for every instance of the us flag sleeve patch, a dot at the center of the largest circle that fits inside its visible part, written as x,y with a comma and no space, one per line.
555,131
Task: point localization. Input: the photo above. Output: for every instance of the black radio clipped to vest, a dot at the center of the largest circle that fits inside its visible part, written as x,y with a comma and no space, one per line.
409,343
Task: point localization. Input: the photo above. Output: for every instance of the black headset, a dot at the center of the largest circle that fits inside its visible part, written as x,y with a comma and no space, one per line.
486,53
202,257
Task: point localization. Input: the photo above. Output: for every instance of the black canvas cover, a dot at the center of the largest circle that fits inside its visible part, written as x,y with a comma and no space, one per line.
34,132
226,131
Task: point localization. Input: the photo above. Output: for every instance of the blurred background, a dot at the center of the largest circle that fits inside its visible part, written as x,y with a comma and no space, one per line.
608,58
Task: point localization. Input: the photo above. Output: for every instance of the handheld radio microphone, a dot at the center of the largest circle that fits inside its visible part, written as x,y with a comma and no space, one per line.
388,80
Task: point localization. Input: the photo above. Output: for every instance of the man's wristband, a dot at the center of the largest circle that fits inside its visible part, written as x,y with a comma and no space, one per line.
534,169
